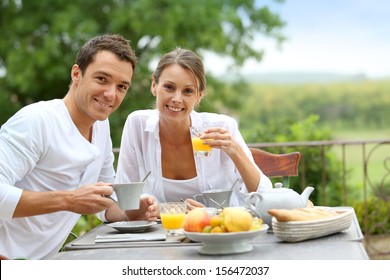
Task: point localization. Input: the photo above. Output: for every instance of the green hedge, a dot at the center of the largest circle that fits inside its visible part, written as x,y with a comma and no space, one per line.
378,216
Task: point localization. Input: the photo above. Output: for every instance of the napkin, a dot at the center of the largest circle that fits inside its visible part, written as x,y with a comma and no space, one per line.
129,237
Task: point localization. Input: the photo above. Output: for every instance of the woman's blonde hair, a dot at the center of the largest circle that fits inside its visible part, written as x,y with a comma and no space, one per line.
186,59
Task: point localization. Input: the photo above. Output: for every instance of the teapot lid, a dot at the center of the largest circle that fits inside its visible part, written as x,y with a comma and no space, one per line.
278,188
278,185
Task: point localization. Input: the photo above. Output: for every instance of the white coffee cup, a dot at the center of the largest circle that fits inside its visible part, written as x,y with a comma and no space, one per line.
128,194
221,196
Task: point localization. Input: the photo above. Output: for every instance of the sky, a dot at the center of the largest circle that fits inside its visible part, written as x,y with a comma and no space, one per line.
346,37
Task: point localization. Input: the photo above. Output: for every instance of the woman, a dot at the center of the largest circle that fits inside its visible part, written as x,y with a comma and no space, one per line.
159,140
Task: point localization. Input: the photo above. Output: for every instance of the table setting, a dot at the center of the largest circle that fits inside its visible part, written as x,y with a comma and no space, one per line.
345,244
259,230
109,235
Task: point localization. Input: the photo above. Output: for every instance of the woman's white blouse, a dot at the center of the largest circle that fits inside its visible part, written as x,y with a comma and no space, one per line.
140,152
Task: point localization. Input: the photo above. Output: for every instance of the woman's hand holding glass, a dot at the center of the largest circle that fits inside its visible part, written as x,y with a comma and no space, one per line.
220,138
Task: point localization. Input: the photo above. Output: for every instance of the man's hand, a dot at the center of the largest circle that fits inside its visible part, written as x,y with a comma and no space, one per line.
91,199
88,199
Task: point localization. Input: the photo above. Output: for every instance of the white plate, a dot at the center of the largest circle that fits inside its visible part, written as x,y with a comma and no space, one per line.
225,243
133,226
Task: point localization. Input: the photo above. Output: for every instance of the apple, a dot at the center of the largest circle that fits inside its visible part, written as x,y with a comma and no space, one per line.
196,220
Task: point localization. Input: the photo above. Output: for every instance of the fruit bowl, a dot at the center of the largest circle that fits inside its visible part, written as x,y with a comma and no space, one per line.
226,242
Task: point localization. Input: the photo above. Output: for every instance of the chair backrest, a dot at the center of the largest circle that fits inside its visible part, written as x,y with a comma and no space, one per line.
277,165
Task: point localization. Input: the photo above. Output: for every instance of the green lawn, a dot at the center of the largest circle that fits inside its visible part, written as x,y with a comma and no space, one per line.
361,134
375,154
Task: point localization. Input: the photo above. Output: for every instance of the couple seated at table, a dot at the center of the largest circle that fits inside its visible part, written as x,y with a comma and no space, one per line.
52,152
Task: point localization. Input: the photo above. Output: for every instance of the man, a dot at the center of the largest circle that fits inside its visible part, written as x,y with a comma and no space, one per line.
56,159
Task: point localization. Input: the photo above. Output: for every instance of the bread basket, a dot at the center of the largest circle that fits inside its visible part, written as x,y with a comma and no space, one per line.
295,231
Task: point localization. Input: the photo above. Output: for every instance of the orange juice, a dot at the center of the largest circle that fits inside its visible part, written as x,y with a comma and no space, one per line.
172,220
197,145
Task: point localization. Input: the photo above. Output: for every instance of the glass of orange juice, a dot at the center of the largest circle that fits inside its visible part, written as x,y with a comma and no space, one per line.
172,216
200,149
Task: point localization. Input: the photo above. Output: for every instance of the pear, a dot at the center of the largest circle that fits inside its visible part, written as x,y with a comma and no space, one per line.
237,219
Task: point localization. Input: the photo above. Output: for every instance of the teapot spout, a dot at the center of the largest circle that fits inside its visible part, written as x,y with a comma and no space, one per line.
306,193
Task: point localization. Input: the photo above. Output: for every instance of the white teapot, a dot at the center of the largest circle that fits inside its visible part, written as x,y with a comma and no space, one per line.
276,198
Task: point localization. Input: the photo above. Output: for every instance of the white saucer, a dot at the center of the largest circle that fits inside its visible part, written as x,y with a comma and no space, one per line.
133,226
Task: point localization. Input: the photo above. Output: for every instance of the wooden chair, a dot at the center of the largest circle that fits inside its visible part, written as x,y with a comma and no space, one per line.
277,165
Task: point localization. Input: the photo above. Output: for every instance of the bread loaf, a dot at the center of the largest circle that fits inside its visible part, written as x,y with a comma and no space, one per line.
301,214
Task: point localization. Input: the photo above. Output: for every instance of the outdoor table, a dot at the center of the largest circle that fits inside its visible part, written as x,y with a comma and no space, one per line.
345,245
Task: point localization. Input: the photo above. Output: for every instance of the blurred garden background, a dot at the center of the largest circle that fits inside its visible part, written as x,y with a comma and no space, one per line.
39,41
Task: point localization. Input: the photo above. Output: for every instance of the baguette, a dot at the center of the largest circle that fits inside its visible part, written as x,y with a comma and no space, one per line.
301,214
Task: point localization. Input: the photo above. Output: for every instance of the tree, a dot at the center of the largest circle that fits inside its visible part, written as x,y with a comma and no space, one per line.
40,40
